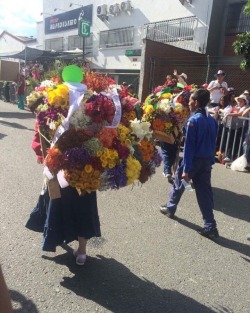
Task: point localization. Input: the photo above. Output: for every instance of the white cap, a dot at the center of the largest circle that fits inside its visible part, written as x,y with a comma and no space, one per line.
243,97
246,91
184,76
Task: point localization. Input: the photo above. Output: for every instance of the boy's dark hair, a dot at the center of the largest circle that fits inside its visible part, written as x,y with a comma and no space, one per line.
202,96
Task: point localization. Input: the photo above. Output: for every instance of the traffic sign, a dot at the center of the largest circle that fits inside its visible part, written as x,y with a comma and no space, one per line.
84,28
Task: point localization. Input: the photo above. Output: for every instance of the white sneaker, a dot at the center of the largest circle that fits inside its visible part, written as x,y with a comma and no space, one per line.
166,175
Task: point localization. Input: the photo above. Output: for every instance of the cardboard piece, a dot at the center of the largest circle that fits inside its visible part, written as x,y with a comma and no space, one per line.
53,184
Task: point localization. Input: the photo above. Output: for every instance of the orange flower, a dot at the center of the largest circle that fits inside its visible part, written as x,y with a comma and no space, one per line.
158,124
106,136
147,150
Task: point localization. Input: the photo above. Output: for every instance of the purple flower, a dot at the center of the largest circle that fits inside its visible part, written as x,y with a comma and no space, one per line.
76,157
117,177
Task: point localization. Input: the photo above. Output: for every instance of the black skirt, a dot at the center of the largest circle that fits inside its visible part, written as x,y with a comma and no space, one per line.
68,218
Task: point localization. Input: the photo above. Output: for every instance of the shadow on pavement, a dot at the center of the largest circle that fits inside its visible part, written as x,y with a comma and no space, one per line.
221,241
14,125
24,114
2,136
21,304
114,287
232,204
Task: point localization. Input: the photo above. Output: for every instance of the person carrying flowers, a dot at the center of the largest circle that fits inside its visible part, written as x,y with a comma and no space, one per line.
97,141
199,151
71,216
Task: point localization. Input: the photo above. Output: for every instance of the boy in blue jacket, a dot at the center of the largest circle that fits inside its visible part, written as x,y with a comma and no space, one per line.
199,152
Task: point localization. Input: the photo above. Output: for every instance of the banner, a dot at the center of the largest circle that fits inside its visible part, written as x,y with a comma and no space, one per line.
68,20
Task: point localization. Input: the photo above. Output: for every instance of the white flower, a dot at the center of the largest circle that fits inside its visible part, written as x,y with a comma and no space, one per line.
164,105
48,83
132,150
79,119
52,125
141,129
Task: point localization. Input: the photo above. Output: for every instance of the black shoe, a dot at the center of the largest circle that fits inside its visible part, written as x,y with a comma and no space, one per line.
164,210
209,233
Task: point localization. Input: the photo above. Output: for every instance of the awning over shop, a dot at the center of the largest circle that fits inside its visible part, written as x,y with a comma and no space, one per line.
32,54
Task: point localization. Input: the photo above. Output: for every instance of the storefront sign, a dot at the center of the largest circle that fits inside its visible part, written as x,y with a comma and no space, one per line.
84,28
68,20
133,53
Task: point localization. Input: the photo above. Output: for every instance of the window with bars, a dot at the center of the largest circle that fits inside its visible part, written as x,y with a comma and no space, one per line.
237,21
54,44
117,37
77,41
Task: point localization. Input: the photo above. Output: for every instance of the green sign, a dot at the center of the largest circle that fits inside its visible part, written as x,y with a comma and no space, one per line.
133,53
84,28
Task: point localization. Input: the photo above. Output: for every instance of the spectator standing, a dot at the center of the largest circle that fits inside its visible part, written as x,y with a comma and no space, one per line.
124,85
131,91
20,91
246,143
234,126
246,93
217,88
199,152
182,79
6,88
36,73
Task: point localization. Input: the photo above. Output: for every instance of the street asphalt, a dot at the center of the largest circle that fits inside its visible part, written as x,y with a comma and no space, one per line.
143,263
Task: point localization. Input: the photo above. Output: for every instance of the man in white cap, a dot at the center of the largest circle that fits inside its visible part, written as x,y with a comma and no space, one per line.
217,88
246,93
182,79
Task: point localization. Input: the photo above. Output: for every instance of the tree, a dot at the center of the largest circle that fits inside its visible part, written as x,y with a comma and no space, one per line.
242,44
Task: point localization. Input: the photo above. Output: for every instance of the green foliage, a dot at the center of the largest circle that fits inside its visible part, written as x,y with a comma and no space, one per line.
242,45
247,8
32,82
245,64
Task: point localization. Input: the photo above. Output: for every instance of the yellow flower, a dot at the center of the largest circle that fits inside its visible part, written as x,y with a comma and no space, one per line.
149,109
127,142
166,95
133,170
88,168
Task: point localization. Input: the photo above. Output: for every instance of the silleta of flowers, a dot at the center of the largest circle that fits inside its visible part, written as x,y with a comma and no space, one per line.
167,111
92,153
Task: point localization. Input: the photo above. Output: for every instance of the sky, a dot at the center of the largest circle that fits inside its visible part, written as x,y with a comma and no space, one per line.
19,17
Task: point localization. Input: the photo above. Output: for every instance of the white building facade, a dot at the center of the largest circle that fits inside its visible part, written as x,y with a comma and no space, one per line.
118,29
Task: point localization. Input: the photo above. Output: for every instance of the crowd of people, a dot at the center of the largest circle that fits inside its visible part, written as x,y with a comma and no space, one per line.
233,136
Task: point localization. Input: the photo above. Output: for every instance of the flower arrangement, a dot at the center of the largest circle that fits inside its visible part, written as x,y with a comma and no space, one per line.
36,97
97,82
93,152
167,112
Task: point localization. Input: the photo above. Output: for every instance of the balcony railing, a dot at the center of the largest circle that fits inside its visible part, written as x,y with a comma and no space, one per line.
117,37
176,32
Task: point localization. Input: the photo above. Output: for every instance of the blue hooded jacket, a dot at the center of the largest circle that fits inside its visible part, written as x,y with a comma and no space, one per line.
201,133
